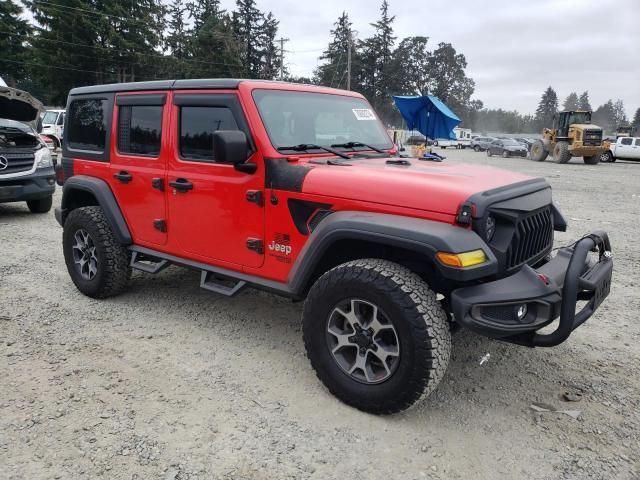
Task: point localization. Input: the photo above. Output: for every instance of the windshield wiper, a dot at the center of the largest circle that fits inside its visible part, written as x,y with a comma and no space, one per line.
358,144
301,147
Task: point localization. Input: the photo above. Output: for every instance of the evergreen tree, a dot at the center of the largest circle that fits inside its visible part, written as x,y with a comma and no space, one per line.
270,65
583,102
636,120
547,108
414,60
620,114
332,73
247,26
177,40
605,117
377,65
215,52
571,102
13,42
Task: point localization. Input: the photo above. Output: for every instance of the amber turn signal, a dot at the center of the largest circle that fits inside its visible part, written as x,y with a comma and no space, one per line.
462,260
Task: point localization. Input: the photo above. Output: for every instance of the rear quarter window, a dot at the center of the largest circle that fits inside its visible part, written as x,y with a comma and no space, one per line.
87,125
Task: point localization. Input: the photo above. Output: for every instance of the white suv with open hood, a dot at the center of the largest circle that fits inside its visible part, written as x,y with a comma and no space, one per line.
26,167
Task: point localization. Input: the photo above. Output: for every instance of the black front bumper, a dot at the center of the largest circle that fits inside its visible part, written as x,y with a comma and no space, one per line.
39,184
514,308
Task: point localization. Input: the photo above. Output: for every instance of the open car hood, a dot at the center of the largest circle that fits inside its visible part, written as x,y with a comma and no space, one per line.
20,106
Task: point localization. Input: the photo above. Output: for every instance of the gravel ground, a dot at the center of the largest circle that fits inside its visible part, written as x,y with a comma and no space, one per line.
171,382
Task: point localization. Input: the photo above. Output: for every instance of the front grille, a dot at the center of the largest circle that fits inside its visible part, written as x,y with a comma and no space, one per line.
17,161
592,137
533,235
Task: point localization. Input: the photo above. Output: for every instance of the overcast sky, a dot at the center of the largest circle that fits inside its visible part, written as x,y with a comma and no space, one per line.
514,48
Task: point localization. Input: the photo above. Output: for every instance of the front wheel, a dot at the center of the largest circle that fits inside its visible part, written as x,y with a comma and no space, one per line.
488,152
376,335
476,148
42,205
505,154
592,159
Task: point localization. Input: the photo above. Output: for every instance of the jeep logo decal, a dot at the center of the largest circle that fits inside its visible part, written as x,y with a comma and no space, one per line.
279,247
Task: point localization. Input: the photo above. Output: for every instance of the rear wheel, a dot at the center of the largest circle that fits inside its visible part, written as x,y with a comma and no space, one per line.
606,157
561,152
42,205
505,154
476,148
96,262
376,335
592,159
538,152
488,152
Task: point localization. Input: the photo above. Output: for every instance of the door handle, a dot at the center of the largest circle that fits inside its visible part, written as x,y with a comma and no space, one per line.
123,176
181,184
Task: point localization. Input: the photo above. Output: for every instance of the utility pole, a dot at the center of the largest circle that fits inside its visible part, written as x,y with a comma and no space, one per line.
349,61
282,40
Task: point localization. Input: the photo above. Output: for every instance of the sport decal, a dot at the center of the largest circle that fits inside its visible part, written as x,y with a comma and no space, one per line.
363,113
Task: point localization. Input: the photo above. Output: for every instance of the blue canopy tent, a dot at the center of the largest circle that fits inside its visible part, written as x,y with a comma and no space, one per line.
428,115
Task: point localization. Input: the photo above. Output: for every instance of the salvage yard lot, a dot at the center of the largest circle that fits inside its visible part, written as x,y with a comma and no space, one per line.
171,382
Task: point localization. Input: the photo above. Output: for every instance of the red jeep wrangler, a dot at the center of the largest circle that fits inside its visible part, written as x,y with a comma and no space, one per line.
298,190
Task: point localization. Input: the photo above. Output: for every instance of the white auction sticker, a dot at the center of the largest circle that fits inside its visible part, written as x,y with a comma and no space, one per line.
363,113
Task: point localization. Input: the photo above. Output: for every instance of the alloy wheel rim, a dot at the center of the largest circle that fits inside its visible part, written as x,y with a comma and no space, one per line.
363,341
85,256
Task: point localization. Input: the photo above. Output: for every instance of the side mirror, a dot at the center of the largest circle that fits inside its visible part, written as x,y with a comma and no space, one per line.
230,146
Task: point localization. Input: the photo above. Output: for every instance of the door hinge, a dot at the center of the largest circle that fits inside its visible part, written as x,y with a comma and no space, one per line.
158,184
256,245
255,196
160,224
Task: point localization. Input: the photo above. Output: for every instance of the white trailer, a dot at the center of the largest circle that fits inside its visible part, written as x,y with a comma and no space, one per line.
463,139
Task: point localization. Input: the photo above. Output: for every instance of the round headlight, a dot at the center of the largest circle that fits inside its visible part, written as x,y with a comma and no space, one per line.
490,228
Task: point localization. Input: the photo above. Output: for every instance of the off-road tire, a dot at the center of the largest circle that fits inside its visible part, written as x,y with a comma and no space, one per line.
42,205
505,154
113,271
419,319
561,152
476,148
592,159
606,157
538,153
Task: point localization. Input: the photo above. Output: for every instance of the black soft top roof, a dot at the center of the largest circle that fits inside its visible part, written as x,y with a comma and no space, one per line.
211,83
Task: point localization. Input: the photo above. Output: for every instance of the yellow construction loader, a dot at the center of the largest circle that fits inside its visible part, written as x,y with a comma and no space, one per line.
572,135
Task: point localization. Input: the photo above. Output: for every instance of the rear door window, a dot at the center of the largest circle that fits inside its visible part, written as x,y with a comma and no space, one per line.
626,141
139,129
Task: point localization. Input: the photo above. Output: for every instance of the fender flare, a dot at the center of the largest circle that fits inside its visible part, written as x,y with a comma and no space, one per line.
425,237
105,198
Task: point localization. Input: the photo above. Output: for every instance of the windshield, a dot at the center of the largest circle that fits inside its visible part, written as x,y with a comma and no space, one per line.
49,118
294,118
580,117
6,124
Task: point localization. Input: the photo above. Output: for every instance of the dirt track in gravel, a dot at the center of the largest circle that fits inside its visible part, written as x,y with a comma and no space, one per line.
171,382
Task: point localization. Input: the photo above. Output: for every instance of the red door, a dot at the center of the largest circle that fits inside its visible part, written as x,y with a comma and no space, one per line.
138,165
210,216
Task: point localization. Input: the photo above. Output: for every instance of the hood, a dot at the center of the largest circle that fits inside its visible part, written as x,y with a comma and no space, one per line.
586,126
424,185
20,106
